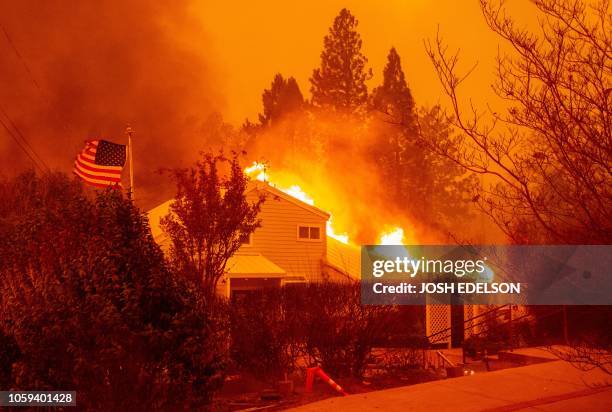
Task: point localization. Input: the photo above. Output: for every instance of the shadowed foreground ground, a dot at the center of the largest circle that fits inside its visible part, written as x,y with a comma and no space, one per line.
551,386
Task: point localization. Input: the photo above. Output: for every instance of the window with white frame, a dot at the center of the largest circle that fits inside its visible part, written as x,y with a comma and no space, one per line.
309,232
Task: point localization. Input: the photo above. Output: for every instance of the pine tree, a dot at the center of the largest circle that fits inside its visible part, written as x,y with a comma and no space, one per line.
410,169
283,97
339,83
393,97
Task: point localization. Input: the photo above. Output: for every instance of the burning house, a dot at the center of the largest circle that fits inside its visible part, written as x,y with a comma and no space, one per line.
292,245
297,243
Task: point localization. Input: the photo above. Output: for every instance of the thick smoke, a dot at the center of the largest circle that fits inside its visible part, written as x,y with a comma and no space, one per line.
70,71
328,157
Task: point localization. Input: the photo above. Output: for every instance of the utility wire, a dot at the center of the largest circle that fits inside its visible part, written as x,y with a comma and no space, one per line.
10,132
24,144
23,62
23,138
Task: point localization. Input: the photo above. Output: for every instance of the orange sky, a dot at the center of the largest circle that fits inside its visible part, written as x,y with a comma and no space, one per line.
253,40
71,73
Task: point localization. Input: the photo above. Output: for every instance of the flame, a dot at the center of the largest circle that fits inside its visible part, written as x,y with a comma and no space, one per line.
393,237
488,274
258,171
298,193
331,232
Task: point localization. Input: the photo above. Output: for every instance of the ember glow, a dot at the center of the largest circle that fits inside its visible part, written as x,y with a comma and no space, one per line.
258,171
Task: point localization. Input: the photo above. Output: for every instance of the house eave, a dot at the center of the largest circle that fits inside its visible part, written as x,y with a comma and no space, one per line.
264,186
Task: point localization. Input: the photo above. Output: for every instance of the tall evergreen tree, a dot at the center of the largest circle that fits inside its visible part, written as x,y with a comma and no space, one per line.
283,97
339,83
395,151
393,97
410,169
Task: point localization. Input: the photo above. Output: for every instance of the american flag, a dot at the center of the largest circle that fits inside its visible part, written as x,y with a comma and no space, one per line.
100,163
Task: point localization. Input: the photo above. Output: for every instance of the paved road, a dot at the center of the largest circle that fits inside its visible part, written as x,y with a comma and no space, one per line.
550,386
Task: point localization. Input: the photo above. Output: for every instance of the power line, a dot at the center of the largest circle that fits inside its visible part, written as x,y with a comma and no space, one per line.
43,96
10,132
24,144
23,61
23,138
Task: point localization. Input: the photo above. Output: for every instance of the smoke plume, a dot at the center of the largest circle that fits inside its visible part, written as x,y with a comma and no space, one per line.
71,71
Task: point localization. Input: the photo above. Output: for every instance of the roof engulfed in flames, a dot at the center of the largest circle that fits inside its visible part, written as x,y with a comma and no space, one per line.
258,171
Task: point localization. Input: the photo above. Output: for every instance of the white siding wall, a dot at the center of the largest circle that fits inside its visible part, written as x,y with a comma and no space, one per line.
277,240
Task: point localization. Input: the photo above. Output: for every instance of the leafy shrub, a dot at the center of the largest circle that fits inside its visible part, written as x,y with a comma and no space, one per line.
341,332
325,322
90,306
264,342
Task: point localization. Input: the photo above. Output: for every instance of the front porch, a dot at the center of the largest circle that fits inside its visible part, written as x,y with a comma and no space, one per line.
247,272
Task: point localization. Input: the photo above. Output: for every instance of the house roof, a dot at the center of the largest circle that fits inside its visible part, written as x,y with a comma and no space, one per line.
163,209
265,186
344,258
252,265
155,215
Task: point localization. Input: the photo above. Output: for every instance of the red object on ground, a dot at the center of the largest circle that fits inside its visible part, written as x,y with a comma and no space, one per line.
310,375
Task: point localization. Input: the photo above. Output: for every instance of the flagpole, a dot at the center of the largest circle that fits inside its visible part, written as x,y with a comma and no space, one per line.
129,132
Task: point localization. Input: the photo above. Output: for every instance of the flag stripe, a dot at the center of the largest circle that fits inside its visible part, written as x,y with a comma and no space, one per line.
97,182
100,163
90,168
98,175
95,166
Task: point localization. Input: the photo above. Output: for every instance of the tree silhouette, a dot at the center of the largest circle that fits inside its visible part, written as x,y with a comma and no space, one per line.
444,189
409,168
283,97
339,84
548,155
208,220
394,99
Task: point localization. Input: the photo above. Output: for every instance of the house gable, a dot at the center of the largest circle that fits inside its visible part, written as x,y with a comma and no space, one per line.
268,189
277,239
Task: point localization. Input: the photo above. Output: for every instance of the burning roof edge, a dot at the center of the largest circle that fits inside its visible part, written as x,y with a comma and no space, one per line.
265,186
156,213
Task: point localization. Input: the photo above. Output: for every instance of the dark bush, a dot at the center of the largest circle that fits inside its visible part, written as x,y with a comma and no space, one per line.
89,305
9,354
406,328
264,341
320,323
340,331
